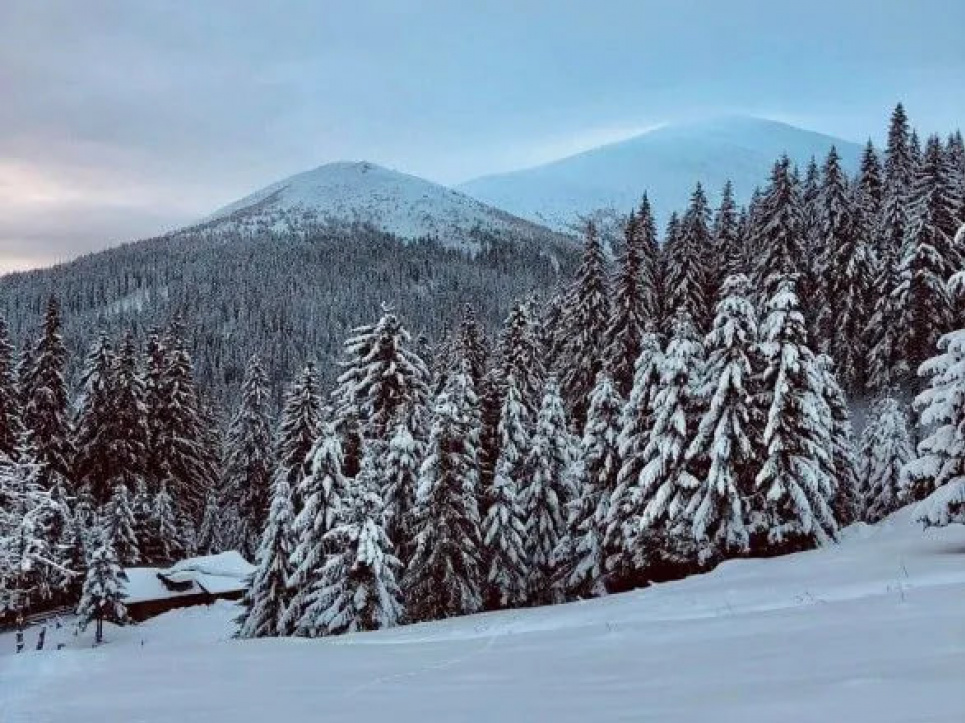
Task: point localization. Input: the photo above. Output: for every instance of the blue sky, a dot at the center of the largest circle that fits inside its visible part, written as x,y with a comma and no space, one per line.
123,118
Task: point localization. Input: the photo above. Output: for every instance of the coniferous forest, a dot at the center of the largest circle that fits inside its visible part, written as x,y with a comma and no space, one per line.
744,382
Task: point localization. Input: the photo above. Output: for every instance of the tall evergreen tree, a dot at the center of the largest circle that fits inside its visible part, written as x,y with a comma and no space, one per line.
580,558
298,428
793,481
358,589
726,445
842,469
94,465
472,343
246,478
399,471
119,526
899,164
689,283
651,272
11,427
103,591
444,577
778,240
504,525
729,252
628,316
885,448
587,318
869,193
545,495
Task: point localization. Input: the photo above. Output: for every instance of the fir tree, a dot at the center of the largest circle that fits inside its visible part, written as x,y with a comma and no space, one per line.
119,524
164,544
504,526
636,422
322,493
728,249
726,444
472,343
11,428
628,316
545,497
689,283
651,272
358,589
580,558
843,467
268,596
298,429
869,193
399,471
587,318
519,356
94,465
778,238
444,577
899,164
885,448
793,482
103,591
45,413
666,483
246,479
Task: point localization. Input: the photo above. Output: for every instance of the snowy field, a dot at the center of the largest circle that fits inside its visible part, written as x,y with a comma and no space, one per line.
869,630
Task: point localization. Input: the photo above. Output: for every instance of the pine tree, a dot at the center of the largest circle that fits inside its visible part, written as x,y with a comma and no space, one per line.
142,508
726,444
298,428
11,428
885,448
45,413
128,428
778,238
587,317
628,316
322,493
793,482
268,596
928,260
899,160
651,272
689,283
358,589
729,252
636,422
472,343
843,466
869,193
504,526
545,497
164,544
847,269
580,558
103,592
246,479
518,355
119,525
399,471
94,465
666,483
444,576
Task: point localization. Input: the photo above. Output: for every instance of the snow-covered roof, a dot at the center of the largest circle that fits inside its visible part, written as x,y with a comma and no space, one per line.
219,574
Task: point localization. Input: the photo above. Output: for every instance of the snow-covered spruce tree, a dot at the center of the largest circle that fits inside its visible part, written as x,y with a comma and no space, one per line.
663,539
381,378
74,554
181,445
929,258
93,463
627,313
847,265
31,563
885,448
843,465
103,591
868,196
358,589
399,474
142,508
587,316
119,524
777,237
730,256
322,493
580,558
689,283
445,575
246,476
636,422
726,446
794,493
504,527
899,163
519,355
472,343
45,414
545,494
651,271
268,596
164,544
128,426
11,428
301,417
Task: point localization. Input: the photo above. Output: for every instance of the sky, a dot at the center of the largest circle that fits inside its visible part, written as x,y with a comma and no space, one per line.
121,119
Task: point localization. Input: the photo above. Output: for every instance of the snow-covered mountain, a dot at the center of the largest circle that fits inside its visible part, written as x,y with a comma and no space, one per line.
665,162
344,193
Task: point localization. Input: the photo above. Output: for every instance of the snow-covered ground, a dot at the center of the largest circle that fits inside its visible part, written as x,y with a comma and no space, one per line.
872,629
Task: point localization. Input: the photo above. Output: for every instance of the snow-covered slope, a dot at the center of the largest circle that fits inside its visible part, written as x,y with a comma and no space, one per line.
344,193
666,162
870,630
